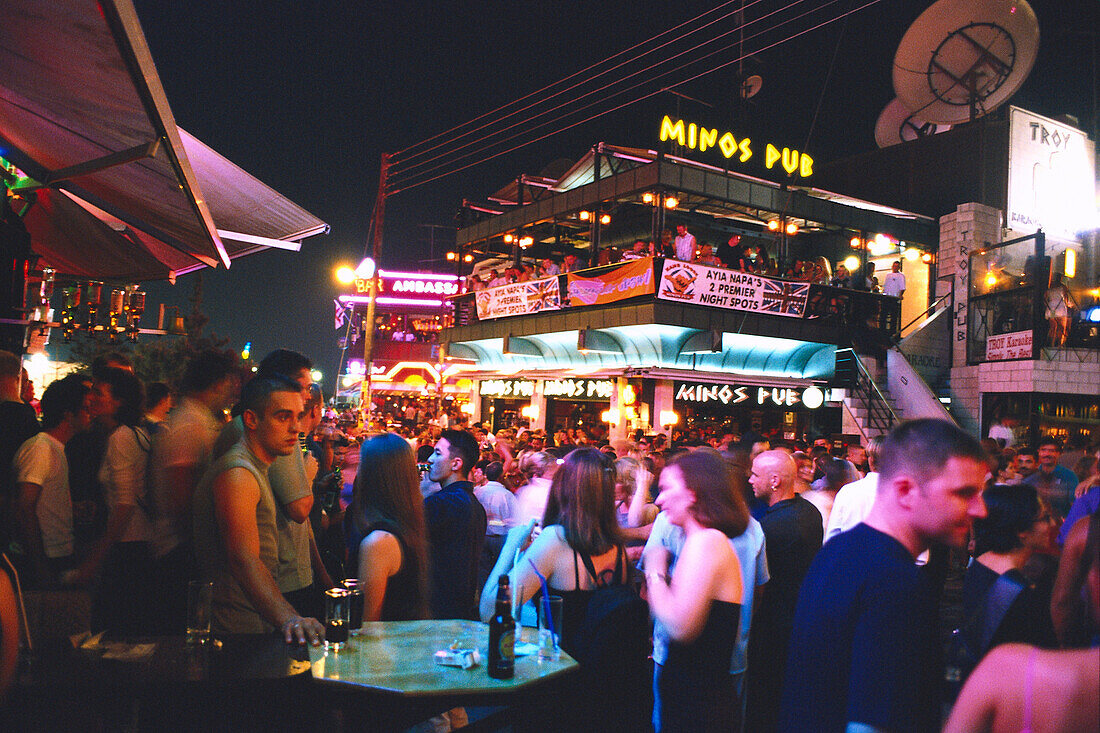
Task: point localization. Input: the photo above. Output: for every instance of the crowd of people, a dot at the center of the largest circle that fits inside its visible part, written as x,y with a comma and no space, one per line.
733,254
725,583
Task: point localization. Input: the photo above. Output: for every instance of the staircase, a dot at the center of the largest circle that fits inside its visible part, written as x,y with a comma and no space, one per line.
868,407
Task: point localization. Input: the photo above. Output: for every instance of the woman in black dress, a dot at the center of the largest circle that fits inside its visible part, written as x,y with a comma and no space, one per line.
387,539
700,605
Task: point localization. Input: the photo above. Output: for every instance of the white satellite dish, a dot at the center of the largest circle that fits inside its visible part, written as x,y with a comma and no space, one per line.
751,86
961,59
897,124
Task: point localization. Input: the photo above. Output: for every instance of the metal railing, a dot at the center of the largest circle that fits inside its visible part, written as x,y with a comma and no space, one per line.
932,309
864,392
873,318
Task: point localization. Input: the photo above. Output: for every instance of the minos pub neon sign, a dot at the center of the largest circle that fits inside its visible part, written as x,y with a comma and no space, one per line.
697,137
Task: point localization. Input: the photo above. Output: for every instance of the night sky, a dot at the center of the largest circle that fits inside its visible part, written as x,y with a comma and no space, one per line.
306,95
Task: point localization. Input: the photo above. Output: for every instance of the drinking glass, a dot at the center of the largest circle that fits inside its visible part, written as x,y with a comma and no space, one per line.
337,618
550,628
200,595
354,587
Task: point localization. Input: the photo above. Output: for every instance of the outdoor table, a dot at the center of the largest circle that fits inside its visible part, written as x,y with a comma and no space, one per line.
239,684
388,677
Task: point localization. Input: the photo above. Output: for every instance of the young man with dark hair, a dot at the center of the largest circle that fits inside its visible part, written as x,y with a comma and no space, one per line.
1025,463
863,654
17,423
44,509
291,479
456,527
236,538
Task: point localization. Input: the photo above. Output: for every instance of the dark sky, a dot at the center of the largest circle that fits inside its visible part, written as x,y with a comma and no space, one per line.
306,95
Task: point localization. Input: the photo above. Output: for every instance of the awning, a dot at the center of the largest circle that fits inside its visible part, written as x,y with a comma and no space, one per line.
83,112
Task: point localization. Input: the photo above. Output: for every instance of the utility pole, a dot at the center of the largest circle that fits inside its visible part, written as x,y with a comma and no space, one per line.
365,403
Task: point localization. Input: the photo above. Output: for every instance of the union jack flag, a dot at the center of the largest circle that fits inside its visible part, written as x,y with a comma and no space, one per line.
543,295
784,298
341,313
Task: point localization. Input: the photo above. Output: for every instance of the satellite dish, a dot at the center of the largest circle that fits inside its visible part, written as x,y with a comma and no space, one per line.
962,59
897,124
751,86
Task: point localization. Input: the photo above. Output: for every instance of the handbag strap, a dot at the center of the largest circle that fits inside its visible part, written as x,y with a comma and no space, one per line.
983,625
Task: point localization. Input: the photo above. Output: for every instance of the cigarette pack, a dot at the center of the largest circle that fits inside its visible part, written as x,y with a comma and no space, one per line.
464,658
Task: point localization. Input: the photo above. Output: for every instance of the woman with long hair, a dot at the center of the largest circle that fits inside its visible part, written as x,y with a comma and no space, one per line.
120,601
580,554
579,521
699,606
387,538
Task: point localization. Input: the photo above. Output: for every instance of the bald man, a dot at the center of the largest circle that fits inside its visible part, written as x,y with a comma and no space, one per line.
792,534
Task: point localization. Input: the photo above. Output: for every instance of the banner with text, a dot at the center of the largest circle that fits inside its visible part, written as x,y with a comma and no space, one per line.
519,298
1005,346
685,282
631,279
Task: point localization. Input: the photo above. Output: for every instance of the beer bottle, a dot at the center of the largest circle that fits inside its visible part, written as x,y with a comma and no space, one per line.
502,635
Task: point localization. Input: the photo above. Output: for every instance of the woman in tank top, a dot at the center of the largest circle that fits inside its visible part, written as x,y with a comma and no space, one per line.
579,521
387,539
700,604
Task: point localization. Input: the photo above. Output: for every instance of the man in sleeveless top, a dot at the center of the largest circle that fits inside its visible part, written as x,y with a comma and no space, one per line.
235,532
291,478
863,653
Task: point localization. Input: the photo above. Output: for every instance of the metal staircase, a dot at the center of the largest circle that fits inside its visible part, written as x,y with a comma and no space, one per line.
868,403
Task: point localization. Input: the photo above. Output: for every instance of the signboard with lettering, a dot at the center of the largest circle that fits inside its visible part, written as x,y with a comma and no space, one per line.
734,149
519,298
1051,176
626,281
507,388
729,394
1005,346
579,389
408,286
685,282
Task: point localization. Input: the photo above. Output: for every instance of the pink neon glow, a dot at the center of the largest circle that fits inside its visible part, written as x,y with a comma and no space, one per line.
416,275
383,300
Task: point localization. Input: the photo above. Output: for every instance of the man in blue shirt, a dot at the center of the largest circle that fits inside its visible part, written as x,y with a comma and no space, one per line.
863,653
1054,482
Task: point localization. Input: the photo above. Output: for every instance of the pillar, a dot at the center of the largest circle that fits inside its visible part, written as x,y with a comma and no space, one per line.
662,402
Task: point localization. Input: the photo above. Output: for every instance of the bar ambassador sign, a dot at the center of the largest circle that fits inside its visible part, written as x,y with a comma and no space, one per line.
684,282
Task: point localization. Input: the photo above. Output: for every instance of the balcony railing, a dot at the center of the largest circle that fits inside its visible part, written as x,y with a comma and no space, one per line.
872,320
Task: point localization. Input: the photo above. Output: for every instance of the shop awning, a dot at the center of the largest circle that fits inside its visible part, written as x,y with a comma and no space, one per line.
651,346
116,189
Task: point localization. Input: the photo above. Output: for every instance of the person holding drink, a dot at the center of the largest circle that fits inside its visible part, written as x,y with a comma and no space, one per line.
236,538
387,538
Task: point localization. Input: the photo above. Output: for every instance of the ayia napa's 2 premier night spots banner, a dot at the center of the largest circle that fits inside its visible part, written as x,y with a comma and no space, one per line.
519,298
684,282
626,281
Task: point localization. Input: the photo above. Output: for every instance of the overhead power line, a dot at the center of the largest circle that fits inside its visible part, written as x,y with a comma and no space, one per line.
406,185
686,52
407,151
